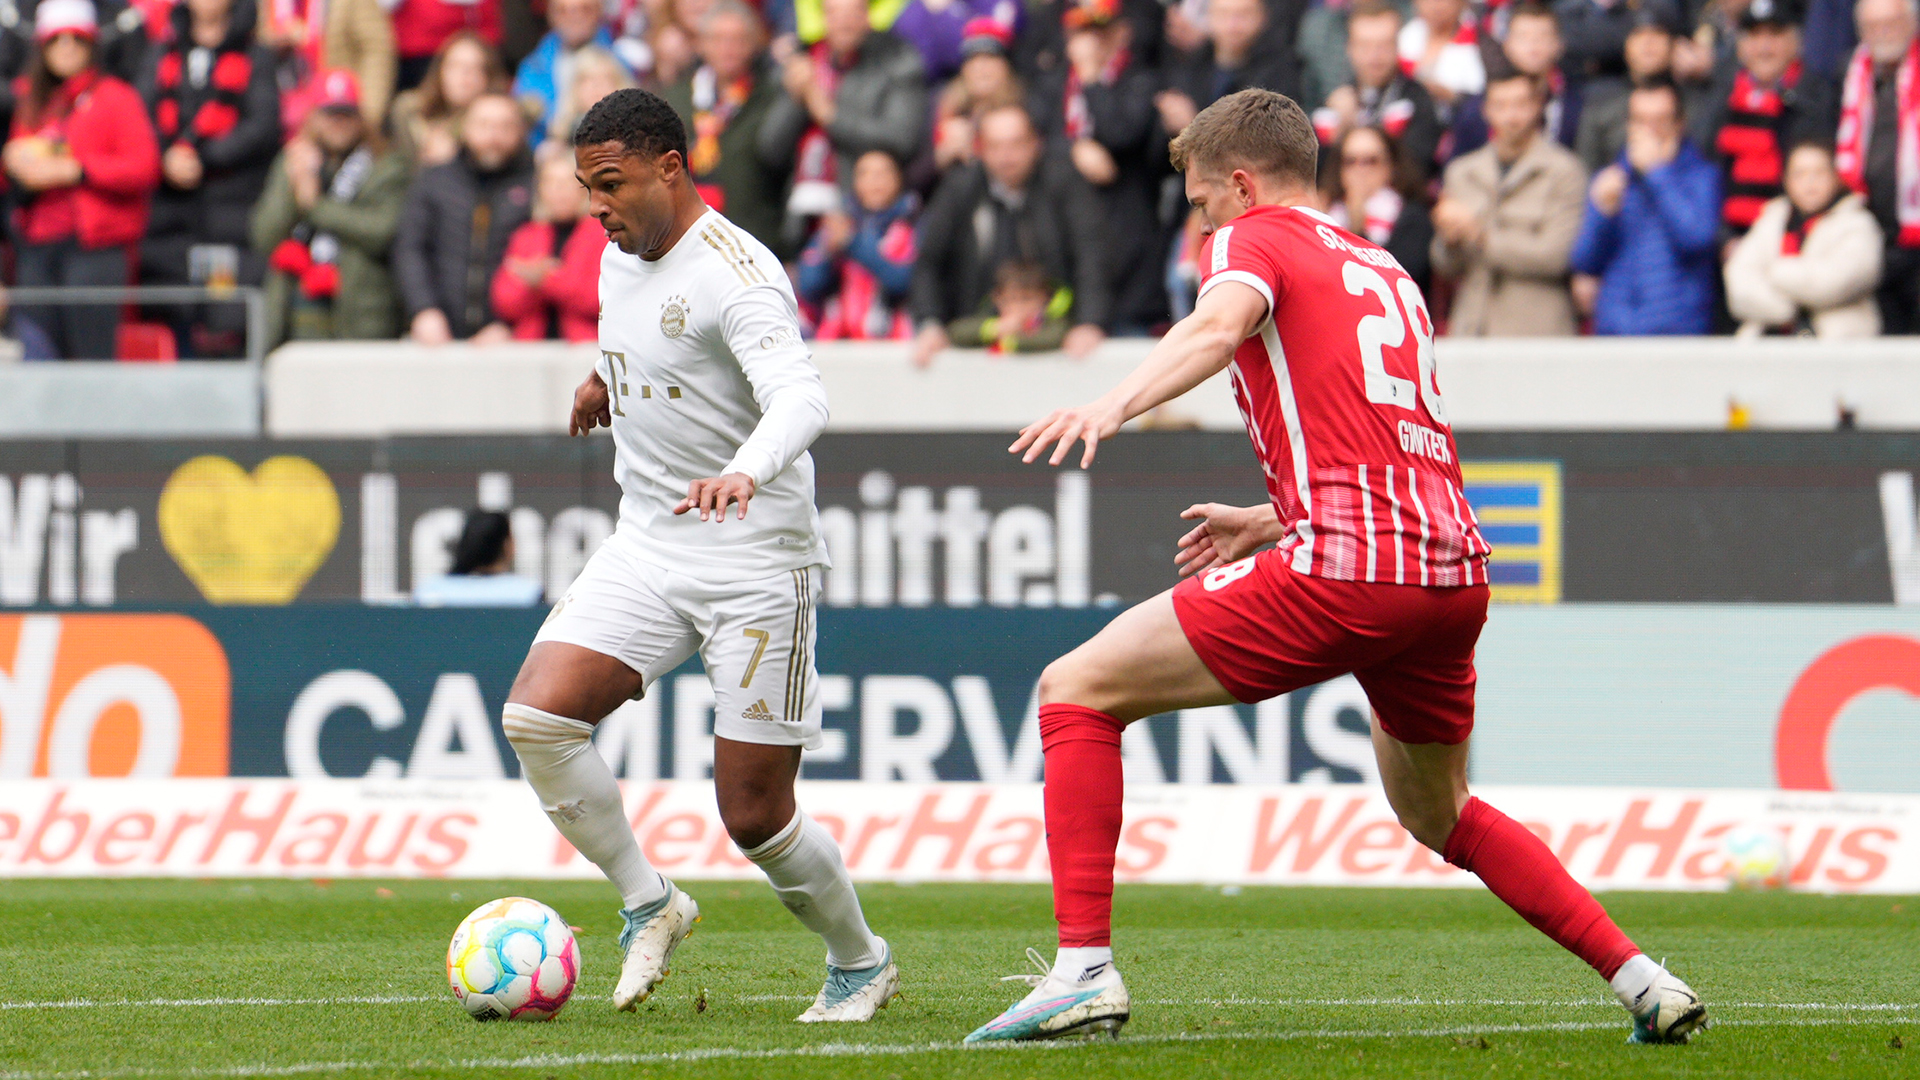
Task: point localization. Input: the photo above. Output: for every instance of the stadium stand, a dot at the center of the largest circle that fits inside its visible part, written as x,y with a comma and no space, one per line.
783,101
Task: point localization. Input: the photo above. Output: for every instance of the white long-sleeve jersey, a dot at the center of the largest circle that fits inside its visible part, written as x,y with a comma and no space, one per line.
707,375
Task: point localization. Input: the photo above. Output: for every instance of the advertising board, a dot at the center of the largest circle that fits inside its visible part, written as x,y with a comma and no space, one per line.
1794,697
1256,834
944,520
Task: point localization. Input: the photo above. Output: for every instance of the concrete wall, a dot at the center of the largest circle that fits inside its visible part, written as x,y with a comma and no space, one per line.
94,399
1558,384
377,389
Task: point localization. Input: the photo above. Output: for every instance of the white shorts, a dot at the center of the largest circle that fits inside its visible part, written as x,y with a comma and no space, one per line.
755,637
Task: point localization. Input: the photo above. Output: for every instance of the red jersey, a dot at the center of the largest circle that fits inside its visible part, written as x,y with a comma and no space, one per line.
1340,398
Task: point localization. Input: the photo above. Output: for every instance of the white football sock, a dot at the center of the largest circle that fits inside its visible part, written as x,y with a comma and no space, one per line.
803,864
1633,979
1077,965
580,795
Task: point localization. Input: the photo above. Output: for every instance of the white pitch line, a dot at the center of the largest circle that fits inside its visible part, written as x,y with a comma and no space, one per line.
193,1003
1583,1003
853,1050
1362,1003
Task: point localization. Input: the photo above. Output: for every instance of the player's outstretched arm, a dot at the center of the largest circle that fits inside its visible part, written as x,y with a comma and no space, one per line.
1225,534
1198,347
591,407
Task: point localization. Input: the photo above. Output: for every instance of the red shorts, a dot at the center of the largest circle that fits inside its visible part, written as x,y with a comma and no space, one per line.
1264,630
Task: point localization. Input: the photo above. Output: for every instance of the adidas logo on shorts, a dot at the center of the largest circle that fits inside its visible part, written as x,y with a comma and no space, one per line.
758,711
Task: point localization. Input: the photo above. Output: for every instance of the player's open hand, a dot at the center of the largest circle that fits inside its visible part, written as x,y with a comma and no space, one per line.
1225,534
1061,428
591,407
711,495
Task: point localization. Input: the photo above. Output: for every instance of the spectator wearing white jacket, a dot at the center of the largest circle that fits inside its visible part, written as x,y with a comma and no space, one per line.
1812,260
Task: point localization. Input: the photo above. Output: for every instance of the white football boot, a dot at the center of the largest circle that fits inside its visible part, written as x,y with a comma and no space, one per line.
1666,1010
647,944
1060,1006
853,995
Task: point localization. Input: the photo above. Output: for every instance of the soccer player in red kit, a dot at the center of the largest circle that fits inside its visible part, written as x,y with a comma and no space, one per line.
1378,568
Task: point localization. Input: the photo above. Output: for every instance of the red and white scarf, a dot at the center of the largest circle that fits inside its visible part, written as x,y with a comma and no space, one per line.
1856,125
1382,210
1078,117
816,178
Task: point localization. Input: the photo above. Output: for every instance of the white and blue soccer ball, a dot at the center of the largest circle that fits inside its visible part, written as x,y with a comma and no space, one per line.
513,959
1754,857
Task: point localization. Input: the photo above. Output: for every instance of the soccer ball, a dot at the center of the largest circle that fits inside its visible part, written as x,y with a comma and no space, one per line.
513,959
1754,858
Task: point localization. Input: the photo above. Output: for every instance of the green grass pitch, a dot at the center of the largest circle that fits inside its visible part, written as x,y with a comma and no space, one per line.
112,978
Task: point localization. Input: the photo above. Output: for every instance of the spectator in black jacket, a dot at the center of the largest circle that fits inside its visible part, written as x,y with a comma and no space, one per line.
217,109
1596,35
456,224
1648,55
1041,46
1381,95
852,91
1762,110
1240,52
1014,204
1098,112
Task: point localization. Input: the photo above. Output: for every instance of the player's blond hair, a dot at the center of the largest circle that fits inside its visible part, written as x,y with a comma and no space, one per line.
1256,130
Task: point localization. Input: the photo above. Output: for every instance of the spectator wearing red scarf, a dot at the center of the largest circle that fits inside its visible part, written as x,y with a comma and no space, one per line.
1877,151
327,222
214,101
1098,110
723,103
1811,261
1760,110
1379,94
854,275
853,91
83,160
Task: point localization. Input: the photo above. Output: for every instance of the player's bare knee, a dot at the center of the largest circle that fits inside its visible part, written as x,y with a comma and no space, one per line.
1429,825
1072,680
750,826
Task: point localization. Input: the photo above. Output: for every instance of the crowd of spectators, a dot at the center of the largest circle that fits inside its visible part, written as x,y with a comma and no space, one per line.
982,173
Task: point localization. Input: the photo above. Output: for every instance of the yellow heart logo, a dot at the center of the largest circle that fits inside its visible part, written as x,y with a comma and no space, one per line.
249,539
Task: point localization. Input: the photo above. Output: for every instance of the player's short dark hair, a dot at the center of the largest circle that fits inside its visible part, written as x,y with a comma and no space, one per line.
639,120
1257,130
482,541
1664,84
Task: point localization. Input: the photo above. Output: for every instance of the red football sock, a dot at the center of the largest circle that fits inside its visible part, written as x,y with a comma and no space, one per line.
1084,785
1522,871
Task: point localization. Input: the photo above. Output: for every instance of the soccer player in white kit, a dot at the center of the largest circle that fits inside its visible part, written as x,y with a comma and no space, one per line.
713,399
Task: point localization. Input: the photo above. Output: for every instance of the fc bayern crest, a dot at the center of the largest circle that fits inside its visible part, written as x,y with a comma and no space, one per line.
673,317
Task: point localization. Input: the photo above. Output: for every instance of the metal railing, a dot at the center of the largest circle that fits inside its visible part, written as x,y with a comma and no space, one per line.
252,296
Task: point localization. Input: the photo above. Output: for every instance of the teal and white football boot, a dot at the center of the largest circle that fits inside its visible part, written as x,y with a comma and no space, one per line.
855,995
647,944
1667,1011
1060,1007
